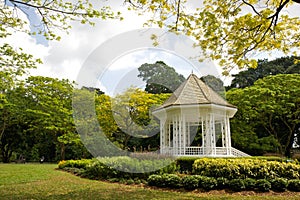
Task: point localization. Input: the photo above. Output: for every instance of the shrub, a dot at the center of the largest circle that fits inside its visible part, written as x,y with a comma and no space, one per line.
222,183
130,181
190,182
171,180
294,185
279,184
236,185
250,183
83,163
245,168
125,167
263,185
207,183
155,180
185,164
98,170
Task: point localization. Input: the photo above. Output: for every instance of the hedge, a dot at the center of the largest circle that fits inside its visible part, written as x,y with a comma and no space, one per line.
245,168
120,167
191,182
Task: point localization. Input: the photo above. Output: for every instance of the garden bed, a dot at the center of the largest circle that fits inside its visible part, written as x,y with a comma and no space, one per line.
204,174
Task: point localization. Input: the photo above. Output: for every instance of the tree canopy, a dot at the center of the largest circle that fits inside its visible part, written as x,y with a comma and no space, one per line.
126,118
229,32
269,110
159,77
284,65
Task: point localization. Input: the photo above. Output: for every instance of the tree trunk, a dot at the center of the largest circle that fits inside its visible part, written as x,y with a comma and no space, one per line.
6,154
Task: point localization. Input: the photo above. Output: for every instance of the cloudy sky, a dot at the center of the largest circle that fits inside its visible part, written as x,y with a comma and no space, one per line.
84,44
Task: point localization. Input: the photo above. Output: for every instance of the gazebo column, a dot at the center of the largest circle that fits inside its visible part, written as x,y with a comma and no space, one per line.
179,120
213,134
162,136
203,129
184,133
227,129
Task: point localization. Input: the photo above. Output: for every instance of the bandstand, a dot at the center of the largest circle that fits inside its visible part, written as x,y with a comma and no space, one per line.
193,109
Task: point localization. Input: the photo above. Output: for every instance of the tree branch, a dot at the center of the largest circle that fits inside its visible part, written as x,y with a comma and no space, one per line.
252,7
178,15
46,7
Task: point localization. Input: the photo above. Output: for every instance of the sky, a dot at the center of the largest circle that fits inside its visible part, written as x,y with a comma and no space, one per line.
84,44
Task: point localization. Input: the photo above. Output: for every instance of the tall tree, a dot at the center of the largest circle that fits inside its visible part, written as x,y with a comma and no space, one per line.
214,83
127,116
13,65
159,77
284,65
12,124
270,108
229,32
50,110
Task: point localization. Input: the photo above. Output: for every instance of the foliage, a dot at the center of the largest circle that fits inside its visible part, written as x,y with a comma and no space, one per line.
294,185
53,16
249,183
190,182
81,164
227,32
186,164
207,183
120,167
284,65
36,120
127,115
214,83
245,168
268,113
263,185
159,77
222,182
237,185
279,184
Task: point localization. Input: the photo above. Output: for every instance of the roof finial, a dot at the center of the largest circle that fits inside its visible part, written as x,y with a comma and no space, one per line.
192,72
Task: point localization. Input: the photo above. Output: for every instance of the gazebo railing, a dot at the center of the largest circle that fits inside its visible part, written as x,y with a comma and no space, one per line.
200,151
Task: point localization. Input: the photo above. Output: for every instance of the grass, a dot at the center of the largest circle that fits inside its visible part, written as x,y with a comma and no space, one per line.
42,181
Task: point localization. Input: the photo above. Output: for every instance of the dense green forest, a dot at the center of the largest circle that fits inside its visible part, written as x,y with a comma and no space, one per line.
36,116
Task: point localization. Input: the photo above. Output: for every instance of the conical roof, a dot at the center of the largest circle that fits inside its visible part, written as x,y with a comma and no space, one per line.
193,91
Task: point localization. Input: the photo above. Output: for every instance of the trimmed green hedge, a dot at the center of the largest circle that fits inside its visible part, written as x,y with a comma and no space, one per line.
191,182
185,164
245,168
235,174
120,167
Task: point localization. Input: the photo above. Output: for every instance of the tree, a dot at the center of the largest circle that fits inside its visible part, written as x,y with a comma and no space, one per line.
214,83
270,108
49,110
13,65
12,125
53,16
126,116
159,77
284,65
229,32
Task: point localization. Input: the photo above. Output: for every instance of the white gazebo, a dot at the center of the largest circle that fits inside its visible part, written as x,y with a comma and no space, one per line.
194,110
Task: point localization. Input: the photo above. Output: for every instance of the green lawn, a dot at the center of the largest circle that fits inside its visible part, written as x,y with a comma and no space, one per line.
42,181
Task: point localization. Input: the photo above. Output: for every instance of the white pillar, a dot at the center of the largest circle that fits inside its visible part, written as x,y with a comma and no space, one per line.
184,133
227,128
162,137
213,134
179,133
